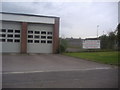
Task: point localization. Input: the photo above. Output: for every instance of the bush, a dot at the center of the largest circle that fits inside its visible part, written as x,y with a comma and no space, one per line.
63,46
62,49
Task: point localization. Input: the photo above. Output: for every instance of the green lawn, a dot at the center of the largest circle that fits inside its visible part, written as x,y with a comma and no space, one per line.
102,57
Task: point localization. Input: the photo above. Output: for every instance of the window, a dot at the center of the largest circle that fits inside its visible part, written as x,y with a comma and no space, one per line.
37,32
17,36
49,41
16,40
10,30
43,41
2,40
9,40
17,31
36,41
2,35
36,36
43,32
49,33
9,35
3,30
43,37
49,37
30,41
30,36
30,31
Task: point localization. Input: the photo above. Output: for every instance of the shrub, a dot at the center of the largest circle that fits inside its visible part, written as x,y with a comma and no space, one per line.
63,46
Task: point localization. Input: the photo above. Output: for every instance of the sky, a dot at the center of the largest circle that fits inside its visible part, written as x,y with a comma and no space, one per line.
119,12
77,19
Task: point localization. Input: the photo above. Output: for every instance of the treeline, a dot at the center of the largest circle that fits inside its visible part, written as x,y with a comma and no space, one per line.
111,41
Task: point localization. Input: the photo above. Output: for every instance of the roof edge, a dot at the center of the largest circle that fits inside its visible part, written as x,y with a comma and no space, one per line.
28,14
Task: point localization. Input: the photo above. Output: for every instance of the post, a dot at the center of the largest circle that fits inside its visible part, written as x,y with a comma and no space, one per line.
97,30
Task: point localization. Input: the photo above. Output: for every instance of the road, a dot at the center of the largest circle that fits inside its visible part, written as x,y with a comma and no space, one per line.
63,79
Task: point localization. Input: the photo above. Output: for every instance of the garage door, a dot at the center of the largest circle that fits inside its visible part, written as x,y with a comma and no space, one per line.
39,38
10,37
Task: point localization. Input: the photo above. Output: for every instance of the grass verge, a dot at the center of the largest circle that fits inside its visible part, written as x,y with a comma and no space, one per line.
102,57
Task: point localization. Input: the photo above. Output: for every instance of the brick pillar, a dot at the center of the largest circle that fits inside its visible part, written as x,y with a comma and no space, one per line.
56,36
24,38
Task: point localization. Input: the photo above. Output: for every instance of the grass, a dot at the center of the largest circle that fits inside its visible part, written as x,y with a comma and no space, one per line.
102,57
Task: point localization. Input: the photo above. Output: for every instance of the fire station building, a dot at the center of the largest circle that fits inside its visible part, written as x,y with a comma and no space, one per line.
25,33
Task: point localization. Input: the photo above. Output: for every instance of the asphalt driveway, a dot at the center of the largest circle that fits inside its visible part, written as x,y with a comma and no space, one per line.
47,62
56,71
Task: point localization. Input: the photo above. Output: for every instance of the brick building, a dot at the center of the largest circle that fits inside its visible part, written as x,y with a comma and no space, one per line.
25,33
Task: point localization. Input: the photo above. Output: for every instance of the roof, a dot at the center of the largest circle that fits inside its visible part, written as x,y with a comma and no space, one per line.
91,39
29,14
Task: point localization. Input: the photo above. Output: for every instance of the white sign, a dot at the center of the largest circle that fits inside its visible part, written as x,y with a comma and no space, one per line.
91,44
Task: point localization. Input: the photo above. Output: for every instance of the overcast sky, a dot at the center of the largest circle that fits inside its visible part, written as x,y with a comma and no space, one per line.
77,19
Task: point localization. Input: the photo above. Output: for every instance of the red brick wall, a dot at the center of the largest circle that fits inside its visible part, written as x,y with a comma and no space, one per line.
24,38
56,36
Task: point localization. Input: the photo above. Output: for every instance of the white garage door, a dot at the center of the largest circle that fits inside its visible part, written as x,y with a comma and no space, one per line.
10,37
40,38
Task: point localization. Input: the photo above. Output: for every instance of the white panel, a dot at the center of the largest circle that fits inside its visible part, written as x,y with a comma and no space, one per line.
91,44
8,47
12,25
23,18
46,27
40,47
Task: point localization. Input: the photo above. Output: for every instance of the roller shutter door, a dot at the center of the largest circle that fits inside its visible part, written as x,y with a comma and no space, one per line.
10,37
40,38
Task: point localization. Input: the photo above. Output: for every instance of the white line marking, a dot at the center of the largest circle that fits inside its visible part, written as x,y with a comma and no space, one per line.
27,72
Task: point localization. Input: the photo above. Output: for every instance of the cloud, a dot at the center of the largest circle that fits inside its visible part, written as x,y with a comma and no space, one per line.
78,19
18,7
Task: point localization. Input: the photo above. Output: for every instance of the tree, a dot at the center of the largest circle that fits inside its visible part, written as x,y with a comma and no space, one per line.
111,40
108,42
118,36
104,40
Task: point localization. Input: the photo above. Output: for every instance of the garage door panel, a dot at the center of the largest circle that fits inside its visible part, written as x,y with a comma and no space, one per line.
39,48
11,25
40,38
10,37
40,27
11,47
